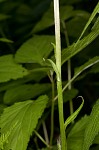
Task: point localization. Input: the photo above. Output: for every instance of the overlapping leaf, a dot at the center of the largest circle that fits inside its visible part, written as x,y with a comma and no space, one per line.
9,69
35,49
26,114
92,128
24,92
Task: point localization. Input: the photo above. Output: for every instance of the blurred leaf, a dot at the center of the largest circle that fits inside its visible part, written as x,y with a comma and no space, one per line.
5,40
3,17
92,128
26,114
70,94
2,106
80,45
76,135
74,115
35,49
48,18
24,92
9,69
96,140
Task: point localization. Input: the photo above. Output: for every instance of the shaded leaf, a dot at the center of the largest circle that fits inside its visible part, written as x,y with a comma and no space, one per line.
24,92
76,134
92,128
80,69
48,18
35,49
26,114
9,69
5,40
74,115
80,45
4,17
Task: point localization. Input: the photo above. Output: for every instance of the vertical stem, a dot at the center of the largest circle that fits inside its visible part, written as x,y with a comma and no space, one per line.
52,111
68,64
59,81
45,132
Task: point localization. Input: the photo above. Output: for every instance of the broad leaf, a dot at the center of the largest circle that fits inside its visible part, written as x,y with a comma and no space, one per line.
26,114
24,92
35,49
9,69
48,18
76,134
80,45
74,115
92,128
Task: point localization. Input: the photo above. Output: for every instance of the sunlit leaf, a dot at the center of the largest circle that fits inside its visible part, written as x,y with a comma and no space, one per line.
26,114
9,69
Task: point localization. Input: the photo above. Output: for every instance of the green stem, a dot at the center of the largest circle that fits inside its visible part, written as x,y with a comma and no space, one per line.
69,66
52,112
45,132
39,136
59,81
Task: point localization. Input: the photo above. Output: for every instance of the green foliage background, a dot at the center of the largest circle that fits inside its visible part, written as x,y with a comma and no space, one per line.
26,34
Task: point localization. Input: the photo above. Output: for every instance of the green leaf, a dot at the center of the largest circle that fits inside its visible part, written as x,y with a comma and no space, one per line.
24,92
3,17
35,49
76,134
74,115
9,69
48,18
5,40
96,10
69,94
96,140
26,114
80,45
80,69
92,128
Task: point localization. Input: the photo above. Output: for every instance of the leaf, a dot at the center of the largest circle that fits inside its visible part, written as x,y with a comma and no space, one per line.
24,92
80,69
76,134
48,18
69,94
4,17
96,10
74,115
80,45
26,114
5,40
35,49
96,140
92,128
9,69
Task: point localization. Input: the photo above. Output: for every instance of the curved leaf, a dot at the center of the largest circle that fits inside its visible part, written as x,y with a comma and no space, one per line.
10,70
26,114
74,115
92,128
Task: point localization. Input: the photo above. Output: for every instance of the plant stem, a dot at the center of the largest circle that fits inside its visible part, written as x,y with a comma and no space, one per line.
69,66
52,111
39,136
45,132
59,81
